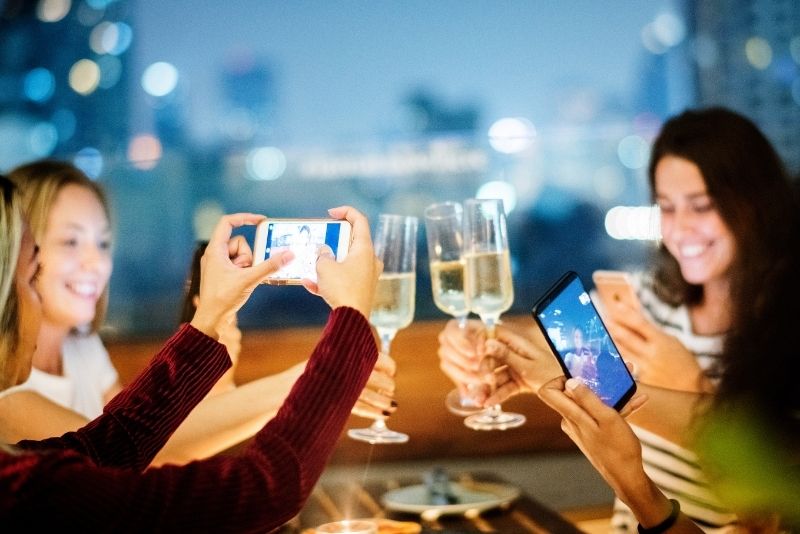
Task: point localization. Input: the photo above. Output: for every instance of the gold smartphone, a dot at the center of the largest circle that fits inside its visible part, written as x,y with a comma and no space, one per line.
615,286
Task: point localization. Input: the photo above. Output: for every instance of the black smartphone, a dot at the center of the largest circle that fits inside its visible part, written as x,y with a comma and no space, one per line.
580,342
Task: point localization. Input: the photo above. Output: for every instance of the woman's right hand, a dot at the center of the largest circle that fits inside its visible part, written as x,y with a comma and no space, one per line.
523,364
460,352
228,276
350,282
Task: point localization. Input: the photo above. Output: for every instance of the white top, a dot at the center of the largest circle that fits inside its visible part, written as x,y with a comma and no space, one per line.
88,374
675,469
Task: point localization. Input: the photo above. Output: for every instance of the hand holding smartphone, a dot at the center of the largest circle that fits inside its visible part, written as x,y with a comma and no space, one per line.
580,342
303,237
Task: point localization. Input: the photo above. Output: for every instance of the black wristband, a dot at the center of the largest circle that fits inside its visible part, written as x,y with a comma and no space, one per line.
666,523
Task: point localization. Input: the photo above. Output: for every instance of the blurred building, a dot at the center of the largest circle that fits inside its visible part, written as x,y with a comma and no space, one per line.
748,57
64,80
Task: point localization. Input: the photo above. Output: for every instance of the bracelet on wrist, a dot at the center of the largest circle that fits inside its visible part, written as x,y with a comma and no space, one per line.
666,523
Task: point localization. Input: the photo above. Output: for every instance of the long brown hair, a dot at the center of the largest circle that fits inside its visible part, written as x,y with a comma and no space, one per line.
10,241
747,182
40,182
756,199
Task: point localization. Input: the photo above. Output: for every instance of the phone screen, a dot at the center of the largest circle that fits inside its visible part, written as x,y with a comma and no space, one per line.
304,239
580,341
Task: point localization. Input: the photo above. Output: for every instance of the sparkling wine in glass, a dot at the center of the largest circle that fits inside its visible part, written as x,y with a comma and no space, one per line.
393,306
489,287
444,232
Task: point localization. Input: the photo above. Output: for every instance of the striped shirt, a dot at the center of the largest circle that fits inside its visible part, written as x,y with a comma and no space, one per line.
673,468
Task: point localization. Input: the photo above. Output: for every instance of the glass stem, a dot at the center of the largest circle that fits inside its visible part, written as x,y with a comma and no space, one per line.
386,337
379,425
491,332
462,321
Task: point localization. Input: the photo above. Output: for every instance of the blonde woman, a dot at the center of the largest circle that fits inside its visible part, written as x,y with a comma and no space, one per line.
72,376
95,479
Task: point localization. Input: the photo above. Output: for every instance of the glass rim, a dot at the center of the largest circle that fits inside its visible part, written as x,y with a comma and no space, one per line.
430,209
397,217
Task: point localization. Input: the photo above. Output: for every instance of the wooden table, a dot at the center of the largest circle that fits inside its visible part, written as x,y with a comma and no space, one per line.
352,500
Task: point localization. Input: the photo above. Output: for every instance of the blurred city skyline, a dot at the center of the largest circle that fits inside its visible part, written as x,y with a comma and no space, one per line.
342,70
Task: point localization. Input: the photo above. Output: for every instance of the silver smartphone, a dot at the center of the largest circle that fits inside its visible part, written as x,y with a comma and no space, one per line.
303,237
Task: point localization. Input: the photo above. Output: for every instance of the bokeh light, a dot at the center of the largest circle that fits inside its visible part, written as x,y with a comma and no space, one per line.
266,163
39,85
651,41
794,49
43,139
512,135
502,190
110,38
144,151
84,76
53,10
633,152
758,52
669,29
90,161
633,222
160,79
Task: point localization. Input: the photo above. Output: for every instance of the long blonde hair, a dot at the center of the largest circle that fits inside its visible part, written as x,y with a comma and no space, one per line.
40,182
10,242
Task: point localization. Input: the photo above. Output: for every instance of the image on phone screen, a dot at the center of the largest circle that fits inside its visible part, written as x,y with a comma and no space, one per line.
303,238
581,343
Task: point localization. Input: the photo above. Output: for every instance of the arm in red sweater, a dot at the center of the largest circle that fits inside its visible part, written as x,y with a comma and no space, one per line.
144,415
254,492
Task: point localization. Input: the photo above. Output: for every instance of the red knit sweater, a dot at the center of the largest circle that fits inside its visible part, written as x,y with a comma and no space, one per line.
93,480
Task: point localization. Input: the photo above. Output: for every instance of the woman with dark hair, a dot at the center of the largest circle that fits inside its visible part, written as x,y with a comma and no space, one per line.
727,208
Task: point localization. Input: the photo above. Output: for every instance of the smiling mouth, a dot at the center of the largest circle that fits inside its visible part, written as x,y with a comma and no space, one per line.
84,289
692,251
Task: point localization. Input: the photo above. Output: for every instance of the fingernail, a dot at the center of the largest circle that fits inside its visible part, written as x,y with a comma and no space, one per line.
287,257
386,412
394,404
572,383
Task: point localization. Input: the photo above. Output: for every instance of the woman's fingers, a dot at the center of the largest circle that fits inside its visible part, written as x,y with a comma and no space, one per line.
459,375
554,395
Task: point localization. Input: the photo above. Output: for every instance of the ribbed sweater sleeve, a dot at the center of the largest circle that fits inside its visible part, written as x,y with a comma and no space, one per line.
256,491
141,418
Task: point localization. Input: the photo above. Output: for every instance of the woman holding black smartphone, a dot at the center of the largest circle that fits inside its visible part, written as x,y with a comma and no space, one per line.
726,205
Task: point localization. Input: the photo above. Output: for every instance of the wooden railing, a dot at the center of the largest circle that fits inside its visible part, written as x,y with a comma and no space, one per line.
421,389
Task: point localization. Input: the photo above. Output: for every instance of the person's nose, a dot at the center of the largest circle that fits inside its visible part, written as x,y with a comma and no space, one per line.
682,223
93,257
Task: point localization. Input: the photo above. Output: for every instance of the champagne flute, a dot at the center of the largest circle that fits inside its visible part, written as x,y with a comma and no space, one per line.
393,306
443,229
489,288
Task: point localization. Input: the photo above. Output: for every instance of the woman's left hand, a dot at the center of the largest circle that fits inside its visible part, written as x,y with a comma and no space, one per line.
660,359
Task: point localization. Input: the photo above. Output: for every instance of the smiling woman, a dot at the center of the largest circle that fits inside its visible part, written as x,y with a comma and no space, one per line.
69,218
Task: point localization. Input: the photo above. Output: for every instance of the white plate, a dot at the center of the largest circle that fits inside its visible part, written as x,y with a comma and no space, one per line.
475,496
